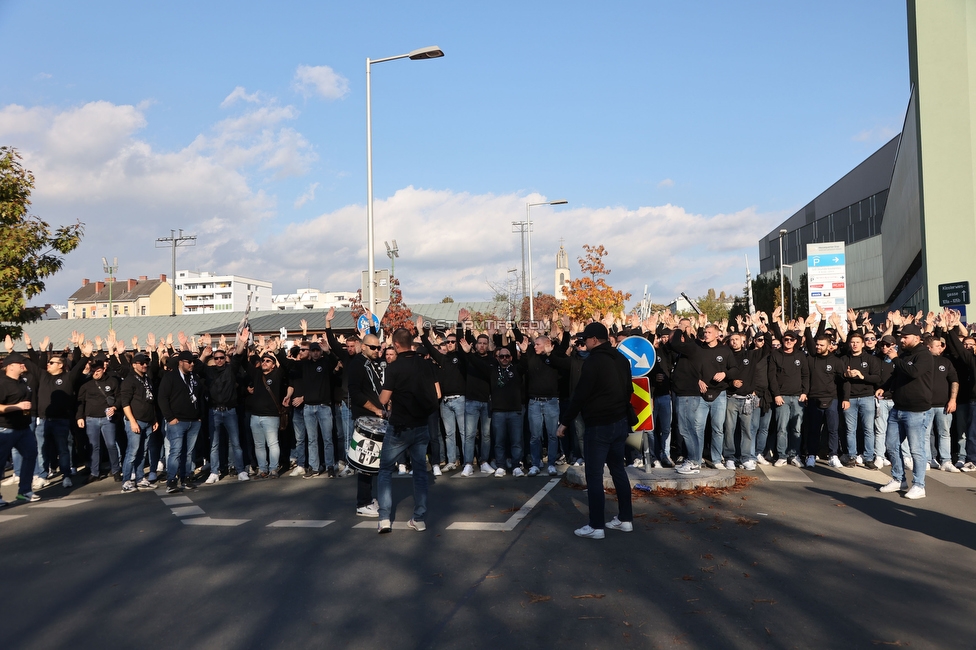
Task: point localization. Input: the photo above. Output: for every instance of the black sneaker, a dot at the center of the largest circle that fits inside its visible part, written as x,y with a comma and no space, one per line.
171,487
332,472
311,473
118,477
189,485
94,478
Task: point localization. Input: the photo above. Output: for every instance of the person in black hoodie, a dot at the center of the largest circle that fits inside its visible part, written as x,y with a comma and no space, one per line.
221,380
56,403
137,398
181,403
505,382
862,371
602,396
269,394
660,377
97,410
911,388
789,381
15,433
827,387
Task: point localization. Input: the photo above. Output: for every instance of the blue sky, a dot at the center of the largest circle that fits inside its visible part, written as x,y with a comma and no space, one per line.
680,132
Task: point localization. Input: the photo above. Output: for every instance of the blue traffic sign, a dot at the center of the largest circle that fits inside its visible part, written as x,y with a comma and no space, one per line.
640,353
836,259
363,322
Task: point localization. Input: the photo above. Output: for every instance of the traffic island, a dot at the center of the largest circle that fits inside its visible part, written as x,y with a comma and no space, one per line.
660,479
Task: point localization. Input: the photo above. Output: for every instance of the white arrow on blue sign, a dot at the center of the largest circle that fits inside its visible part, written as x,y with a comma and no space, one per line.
363,322
640,353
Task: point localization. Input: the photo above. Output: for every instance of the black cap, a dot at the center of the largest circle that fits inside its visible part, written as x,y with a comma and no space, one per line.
140,358
888,339
597,330
911,328
791,334
186,355
14,357
314,346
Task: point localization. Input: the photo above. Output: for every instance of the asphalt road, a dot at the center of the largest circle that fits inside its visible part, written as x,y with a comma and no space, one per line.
824,563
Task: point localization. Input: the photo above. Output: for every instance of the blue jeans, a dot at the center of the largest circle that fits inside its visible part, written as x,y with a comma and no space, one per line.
604,445
907,425
18,458
940,436
343,416
759,424
735,417
691,419
662,426
413,440
789,420
135,457
318,421
475,413
716,409
542,410
24,442
299,428
860,415
227,419
882,407
59,430
182,437
264,430
506,426
452,414
98,428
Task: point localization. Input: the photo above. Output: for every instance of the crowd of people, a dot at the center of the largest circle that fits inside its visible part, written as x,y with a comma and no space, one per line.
864,393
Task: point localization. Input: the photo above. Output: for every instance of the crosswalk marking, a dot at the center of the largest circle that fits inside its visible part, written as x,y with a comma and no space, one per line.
59,503
210,521
514,520
301,523
786,474
188,511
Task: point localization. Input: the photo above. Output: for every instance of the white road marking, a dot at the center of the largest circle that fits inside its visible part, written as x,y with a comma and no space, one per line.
60,503
397,525
787,474
950,478
301,523
4,518
209,521
514,520
175,501
188,511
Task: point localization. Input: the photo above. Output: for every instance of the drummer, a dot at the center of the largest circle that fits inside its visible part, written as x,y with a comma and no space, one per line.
365,374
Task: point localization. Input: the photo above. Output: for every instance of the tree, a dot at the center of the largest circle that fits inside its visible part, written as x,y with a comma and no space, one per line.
543,305
29,250
590,293
446,299
765,293
397,313
716,307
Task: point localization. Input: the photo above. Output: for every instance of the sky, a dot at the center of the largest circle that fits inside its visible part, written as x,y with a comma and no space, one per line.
679,132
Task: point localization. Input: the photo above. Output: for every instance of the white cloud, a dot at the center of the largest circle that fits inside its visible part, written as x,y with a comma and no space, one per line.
876,135
667,182
91,164
320,80
41,76
308,195
240,93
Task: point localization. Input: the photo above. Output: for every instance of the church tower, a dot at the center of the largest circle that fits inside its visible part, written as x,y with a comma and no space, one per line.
562,273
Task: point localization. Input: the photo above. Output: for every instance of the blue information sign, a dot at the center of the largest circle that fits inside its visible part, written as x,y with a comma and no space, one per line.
640,353
363,322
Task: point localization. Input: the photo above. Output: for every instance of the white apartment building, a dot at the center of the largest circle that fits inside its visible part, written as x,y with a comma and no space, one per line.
204,292
313,299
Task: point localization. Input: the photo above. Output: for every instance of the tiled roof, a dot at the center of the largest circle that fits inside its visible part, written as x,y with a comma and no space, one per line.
120,291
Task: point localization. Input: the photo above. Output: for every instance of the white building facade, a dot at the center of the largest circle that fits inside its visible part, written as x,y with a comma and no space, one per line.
204,292
313,299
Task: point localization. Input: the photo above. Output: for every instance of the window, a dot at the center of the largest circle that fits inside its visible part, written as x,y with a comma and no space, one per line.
127,310
143,312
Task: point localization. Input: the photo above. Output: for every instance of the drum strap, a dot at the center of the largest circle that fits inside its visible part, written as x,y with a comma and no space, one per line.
375,373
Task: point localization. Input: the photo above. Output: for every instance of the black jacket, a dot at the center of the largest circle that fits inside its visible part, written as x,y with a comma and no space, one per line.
139,394
176,400
603,393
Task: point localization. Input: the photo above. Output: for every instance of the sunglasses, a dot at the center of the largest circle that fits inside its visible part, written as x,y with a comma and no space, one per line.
870,338
371,347
220,358
267,360
504,356
54,361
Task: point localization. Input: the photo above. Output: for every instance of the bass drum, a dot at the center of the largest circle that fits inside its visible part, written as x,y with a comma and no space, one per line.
366,445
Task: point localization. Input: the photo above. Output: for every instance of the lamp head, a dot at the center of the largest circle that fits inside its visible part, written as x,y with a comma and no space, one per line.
432,52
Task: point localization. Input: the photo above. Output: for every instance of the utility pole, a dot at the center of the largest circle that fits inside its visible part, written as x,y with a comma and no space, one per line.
521,227
392,253
173,241
111,269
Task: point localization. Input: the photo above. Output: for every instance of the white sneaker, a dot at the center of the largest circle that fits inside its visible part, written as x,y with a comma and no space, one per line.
418,526
750,465
688,467
213,478
436,469
242,476
969,467
949,467
622,526
298,471
160,467
859,460
13,479
500,472
915,493
656,465
908,463
369,510
887,463
834,462
730,465
579,462
533,471
762,460
518,473
346,472
468,470
879,462
780,462
486,469
795,462
66,482
590,533
403,470
39,482
893,486
552,471
450,467
384,526
638,462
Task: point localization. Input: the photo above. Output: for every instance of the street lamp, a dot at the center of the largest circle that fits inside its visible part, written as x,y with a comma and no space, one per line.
782,296
111,269
432,52
392,253
529,229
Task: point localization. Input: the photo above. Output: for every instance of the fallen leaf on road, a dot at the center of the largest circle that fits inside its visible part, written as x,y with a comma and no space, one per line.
537,598
591,596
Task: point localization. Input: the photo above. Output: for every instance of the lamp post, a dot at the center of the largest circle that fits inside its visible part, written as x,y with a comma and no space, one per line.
782,296
432,52
111,269
529,230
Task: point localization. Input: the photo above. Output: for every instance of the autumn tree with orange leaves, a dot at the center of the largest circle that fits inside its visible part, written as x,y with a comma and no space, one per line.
590,294
397,313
